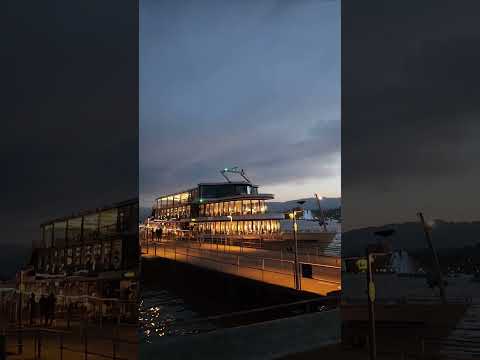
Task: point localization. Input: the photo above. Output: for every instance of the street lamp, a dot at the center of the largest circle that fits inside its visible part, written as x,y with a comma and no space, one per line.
371,252
321,211
231,220
293,215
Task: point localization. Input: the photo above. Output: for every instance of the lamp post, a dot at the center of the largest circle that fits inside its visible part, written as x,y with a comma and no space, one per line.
231,220
371,252
298,284
321,212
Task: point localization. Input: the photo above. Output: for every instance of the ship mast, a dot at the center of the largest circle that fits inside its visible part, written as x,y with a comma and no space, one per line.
234,170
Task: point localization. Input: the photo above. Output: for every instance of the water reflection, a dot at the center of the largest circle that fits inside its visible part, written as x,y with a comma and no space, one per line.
164,314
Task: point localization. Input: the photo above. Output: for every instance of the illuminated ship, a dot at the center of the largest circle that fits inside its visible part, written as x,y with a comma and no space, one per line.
233,210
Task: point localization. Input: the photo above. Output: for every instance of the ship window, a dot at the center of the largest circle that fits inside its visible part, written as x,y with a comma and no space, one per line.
238,207
215,209
246,207
176,199
222,227
262,206
255,206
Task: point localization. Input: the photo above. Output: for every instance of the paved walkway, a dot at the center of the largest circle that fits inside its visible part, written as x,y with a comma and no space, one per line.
57,340
464,341
258,264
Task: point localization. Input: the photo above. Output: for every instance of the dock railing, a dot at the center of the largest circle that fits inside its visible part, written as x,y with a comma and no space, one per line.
247,262
45,343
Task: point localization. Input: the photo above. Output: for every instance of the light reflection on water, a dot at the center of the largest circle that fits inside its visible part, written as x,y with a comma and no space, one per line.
162,314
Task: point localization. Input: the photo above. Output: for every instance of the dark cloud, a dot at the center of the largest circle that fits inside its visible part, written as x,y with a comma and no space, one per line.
409,110
70,135
253,84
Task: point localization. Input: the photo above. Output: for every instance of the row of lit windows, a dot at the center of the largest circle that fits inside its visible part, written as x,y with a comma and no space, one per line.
181,212
177,199
239,207
59,258
90,226
240,227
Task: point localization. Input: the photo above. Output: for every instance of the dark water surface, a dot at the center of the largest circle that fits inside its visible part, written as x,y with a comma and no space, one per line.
163,313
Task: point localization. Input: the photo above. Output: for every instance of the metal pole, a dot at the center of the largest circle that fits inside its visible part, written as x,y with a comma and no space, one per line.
86,344
371,310
61,346
435,258
297,279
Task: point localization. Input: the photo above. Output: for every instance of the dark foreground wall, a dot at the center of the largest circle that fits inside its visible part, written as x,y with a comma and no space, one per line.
210,292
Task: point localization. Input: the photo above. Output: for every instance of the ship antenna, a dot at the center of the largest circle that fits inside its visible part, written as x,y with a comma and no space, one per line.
223,174
234,170
242,173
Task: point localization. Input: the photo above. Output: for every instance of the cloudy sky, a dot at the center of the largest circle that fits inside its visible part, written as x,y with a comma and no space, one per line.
69,140
410,111
254,84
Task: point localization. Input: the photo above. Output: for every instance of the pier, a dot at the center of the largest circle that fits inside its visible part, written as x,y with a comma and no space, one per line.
320,274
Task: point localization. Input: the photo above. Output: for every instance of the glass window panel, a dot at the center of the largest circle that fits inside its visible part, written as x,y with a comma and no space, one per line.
176,199
222,227
74,229
246,207
238,207
59,229
90,226
255,207
108,221
48,235
215,209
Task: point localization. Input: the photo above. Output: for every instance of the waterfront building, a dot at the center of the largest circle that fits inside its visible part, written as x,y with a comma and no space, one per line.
93,253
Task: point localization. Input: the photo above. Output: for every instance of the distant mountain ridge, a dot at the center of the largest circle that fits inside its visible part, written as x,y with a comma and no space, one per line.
410,236
310,204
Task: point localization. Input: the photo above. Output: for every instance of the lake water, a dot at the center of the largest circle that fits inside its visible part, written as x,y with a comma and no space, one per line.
163,314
